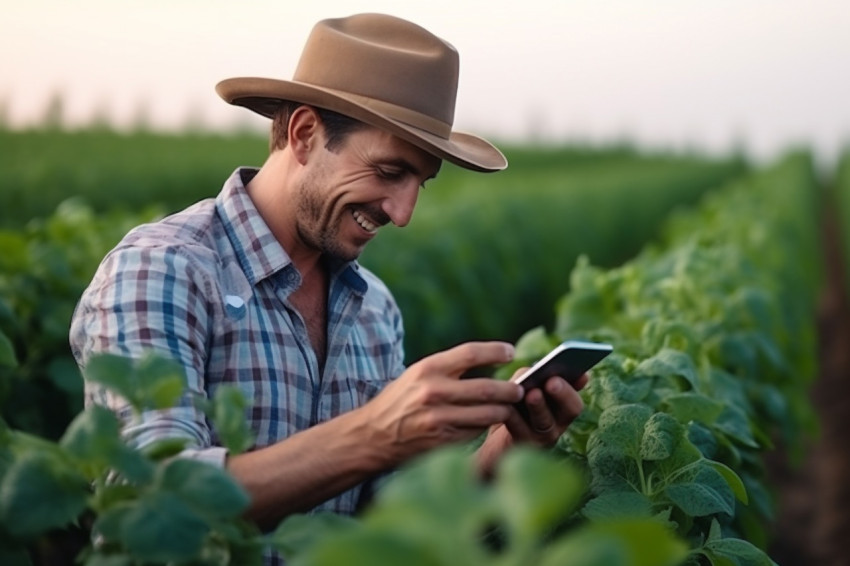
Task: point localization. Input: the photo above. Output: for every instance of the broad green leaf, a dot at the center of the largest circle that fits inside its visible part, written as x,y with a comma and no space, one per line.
208,489
151,382
533,344
160,382
702,437
113,494
612,470
94,437
689,406
615,543
228,419
621,428
661,333
585,549
40,493
371,546
736,551
608,390
661,436
298,533
443,481
535,492
162,528
671,363
702,493
734,423
115,373
110,523
439,493
734,481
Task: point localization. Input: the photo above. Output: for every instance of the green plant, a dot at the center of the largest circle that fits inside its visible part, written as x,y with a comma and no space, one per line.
714,347
438,512
126,506
43,271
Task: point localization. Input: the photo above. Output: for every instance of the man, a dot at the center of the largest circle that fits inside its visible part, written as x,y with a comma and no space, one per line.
260,287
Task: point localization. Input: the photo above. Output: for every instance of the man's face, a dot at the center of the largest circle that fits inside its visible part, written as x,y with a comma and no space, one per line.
345,196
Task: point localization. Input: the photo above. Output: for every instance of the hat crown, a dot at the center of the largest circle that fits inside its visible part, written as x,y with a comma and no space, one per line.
383,58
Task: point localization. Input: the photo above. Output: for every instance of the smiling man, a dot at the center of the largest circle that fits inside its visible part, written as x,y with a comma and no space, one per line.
260,287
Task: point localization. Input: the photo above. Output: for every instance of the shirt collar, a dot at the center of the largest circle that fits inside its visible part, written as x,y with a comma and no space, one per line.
259,253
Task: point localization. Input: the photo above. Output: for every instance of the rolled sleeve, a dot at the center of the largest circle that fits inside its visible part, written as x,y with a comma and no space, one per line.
147,300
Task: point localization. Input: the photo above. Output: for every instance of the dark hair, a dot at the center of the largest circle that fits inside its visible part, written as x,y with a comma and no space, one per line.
337,126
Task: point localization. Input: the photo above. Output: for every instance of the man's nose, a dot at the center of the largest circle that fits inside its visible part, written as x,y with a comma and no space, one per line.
400,203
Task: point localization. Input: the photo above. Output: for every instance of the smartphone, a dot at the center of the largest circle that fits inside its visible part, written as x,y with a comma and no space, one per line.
570,360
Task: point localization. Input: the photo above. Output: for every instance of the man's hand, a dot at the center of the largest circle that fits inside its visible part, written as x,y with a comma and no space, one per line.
550,410
429,405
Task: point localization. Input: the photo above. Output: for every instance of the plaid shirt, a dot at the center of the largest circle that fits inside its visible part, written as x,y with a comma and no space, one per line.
210,287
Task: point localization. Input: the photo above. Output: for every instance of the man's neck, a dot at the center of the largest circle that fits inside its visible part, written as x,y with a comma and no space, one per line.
271,186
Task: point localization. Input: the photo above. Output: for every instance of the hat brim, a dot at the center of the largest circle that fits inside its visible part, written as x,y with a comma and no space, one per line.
264,96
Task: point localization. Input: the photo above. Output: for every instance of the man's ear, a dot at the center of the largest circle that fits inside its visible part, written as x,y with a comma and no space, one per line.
304,132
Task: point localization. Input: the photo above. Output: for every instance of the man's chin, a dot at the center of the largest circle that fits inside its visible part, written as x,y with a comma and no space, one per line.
344,254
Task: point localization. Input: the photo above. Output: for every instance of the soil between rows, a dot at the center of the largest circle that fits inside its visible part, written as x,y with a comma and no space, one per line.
813,508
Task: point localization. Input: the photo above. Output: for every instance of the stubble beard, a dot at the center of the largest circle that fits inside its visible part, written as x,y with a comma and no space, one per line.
316,234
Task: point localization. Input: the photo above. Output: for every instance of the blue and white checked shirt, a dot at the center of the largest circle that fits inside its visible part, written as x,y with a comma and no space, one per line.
209,287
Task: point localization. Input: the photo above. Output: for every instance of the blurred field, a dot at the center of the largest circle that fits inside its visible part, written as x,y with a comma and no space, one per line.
484,257
109,170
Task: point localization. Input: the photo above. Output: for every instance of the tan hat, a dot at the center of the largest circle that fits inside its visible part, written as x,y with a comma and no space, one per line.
383,71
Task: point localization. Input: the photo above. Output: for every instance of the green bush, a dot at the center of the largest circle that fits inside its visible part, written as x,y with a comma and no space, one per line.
714,335
44,268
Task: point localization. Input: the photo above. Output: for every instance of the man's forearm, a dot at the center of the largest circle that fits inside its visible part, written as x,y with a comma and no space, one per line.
306,469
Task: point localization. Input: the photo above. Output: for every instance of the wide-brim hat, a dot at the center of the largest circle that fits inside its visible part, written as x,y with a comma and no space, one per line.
383,71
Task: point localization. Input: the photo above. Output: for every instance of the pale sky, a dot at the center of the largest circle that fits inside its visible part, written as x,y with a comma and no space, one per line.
706,74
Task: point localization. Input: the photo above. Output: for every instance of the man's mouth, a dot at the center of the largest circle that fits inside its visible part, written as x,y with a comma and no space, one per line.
364,222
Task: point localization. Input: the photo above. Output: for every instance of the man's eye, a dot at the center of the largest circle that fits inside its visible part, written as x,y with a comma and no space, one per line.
390,174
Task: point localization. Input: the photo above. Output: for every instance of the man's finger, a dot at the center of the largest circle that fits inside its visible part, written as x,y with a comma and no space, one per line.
563,400
481,390
455,361
540,417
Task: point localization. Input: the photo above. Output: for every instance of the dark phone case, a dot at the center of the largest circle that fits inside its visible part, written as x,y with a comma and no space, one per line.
569,360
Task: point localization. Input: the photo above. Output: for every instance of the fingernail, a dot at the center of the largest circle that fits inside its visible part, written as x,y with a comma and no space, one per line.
556,385
509,352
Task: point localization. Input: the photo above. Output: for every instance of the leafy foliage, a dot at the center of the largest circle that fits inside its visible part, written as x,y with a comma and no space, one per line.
714,347
437,512
43,271
142,506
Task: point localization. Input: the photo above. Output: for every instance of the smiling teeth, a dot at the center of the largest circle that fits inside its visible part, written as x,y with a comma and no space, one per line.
365,224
